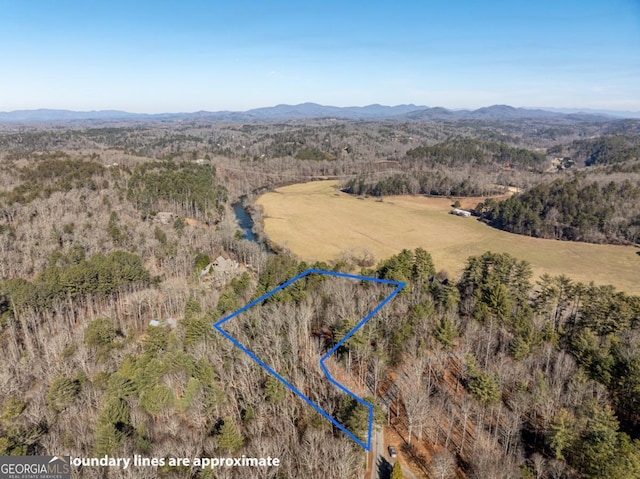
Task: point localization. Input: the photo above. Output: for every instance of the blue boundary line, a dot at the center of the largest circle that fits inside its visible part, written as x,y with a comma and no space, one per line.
399,285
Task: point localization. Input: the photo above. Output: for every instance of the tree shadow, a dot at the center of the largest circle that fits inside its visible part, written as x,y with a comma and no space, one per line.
420,459
638,253
384,468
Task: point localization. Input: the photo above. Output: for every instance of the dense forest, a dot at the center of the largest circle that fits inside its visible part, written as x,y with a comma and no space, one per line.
108,294
603,150
188,188
571,209
474,153
433,183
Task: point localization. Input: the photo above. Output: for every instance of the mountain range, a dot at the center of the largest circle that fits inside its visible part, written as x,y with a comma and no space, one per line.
307,111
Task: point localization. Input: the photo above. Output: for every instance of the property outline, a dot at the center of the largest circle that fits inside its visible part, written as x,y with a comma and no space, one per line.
399,285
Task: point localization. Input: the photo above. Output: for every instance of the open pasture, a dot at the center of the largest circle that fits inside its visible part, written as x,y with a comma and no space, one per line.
315,221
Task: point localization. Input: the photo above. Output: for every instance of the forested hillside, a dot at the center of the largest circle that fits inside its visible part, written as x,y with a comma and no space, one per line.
454,168
188,188
574,209
603,150
477,153
108,295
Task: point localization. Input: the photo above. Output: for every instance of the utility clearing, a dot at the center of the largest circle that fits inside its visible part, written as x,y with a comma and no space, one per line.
316,221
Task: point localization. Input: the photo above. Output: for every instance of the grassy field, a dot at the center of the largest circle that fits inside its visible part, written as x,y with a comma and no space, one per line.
315,221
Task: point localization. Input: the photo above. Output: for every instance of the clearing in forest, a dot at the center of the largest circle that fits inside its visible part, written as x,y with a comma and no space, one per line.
317,222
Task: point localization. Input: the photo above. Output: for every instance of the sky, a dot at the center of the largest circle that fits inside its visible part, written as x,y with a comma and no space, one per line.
182,56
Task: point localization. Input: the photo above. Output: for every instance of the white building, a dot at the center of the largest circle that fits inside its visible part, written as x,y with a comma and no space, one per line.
459,212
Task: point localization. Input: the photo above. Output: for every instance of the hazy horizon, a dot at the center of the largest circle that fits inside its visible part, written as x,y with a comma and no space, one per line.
176,112
158,57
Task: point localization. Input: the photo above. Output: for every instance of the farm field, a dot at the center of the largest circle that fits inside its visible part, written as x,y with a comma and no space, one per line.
315,221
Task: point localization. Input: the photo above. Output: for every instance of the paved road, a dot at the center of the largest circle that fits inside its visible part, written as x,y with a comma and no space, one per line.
382,463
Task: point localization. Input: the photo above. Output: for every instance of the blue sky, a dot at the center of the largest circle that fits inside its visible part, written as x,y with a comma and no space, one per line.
170,56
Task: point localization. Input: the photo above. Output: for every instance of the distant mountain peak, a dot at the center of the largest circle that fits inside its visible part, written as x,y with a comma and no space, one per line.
310,110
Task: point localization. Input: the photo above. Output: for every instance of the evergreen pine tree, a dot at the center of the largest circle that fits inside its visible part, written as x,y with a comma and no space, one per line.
229,439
